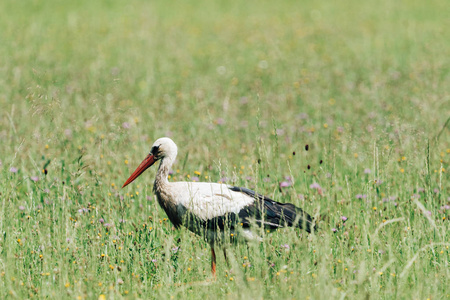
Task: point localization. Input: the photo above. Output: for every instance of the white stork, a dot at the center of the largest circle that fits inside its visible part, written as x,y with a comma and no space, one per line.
214,209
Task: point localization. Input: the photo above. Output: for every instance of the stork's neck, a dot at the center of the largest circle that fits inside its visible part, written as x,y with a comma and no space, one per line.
163,172
164,193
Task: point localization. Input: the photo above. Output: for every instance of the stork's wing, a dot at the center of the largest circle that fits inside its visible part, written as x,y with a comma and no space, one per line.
213,206
272,214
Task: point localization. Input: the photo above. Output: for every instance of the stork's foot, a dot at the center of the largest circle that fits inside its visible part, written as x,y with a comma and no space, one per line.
213,271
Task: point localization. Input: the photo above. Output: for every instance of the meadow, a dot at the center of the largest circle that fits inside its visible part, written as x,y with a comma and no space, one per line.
341,108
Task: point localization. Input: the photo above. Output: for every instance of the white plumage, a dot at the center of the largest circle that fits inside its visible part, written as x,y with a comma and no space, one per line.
208,200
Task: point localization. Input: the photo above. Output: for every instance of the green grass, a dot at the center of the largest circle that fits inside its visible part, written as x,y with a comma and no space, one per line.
87,86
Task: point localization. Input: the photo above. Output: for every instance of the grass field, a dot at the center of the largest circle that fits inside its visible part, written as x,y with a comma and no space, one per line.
242,87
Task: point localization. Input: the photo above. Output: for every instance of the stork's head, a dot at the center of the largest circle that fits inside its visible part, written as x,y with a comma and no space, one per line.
161,148
164,147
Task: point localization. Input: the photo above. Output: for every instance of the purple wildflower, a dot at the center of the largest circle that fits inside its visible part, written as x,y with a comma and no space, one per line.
107,225
220,121
315,185
171,172
445,207
126,125
21,207
429,213
361,196
68,133
176,249
301,197
68,240
420,190
195,178
224,179
367,171
436,191
334,229
13,170
284,184
101,220
149,198
285,246
34,178
344,218
154,260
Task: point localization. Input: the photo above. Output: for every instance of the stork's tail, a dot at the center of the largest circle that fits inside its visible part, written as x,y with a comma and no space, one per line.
292,215
273,214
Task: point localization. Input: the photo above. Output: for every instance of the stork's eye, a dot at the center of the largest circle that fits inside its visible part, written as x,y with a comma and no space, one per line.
155,150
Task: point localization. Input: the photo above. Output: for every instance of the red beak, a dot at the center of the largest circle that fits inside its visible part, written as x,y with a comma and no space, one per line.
145,164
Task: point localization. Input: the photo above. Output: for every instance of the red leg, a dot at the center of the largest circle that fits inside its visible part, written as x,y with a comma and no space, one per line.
213,261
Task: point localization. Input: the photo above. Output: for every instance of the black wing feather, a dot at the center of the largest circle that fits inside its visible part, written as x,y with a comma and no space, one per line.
272,214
